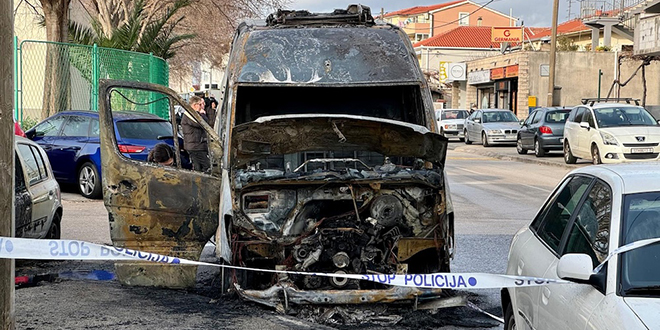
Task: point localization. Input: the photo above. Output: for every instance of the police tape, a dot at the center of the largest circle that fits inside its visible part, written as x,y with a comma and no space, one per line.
25,248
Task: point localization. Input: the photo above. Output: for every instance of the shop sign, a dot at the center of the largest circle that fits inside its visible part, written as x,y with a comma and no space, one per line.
456,72
478,77
502,85
511,71
506,34
497,73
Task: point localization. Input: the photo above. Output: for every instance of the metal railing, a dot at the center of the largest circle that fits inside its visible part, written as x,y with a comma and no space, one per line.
53,77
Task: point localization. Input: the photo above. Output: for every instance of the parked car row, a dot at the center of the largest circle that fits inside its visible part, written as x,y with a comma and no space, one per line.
600,132
71,141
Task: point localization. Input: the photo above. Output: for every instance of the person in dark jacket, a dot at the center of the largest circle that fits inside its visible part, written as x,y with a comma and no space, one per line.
194,136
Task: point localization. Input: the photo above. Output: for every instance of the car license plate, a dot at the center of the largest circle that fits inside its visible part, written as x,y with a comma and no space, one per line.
641,150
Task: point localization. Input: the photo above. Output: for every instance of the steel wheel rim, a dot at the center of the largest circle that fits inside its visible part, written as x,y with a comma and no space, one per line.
87,180
567,151
484,139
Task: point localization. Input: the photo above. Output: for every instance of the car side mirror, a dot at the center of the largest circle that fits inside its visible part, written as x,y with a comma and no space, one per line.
575,266
522,122
584,124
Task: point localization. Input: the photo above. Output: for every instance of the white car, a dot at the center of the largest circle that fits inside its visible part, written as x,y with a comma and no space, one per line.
451,122
592,212
611,133
37,197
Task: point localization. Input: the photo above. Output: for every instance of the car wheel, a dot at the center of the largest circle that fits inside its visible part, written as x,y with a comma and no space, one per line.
538,151
519,146
467,138
484,139
89,182
509,319
461,139
595,155
568,155
55,231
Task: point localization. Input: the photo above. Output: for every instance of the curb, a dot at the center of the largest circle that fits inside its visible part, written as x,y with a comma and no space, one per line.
522,159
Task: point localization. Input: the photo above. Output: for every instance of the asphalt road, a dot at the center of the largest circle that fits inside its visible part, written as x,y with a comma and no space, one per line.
492,198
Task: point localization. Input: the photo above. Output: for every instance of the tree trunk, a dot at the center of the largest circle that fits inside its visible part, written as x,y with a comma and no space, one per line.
56,78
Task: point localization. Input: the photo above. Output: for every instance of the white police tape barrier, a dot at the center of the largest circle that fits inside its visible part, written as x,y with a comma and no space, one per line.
24,248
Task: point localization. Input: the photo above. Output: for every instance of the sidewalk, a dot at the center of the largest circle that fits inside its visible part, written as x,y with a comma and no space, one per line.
506,152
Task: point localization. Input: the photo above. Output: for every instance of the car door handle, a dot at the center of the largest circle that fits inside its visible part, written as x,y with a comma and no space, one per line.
545,297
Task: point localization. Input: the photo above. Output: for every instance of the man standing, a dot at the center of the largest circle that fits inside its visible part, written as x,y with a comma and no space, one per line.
194,137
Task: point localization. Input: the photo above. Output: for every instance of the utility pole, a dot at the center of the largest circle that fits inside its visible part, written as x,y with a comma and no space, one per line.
553,54
7,160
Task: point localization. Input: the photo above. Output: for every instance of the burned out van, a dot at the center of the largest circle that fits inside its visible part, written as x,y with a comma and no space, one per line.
325,158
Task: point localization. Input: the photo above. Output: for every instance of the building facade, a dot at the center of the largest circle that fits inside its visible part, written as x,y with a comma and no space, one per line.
519,81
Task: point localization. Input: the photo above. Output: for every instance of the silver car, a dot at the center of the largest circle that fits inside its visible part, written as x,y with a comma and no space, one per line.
491,126
451,122
38,203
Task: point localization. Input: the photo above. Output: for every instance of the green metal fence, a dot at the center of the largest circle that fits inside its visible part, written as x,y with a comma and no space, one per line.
53,77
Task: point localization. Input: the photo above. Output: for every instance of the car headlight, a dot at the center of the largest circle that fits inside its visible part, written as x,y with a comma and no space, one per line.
608,139
451,126
495,131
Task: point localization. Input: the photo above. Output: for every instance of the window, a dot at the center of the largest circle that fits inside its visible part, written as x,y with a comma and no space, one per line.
591,230
94,128
554,217
50,127
589,118
463,18
144,129
624,116
31,166
41,162
537,117
76,126
530,118
421,36
578,115
556,116
19,177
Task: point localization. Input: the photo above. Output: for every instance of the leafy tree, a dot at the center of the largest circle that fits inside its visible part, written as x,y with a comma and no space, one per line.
138,32
566,44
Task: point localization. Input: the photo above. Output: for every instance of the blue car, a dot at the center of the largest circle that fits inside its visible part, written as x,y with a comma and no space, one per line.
71,140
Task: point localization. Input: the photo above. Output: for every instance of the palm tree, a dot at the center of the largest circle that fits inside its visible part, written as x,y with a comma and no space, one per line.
137,33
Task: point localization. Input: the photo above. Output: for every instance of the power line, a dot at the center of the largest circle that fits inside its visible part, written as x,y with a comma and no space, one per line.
460,18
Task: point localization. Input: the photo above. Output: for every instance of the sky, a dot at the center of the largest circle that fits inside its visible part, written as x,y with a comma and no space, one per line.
531,12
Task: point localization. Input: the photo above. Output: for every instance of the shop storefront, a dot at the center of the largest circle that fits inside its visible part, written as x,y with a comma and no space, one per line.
485,89
506,87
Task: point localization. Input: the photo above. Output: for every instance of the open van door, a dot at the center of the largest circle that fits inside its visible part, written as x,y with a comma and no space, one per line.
165,209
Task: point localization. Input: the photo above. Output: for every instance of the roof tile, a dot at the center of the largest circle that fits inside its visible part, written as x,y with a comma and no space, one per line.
421,9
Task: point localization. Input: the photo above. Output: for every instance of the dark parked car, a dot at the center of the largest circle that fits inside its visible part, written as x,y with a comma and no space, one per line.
71,140
37,201
542,131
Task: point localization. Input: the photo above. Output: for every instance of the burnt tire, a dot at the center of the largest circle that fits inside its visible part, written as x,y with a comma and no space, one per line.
55,230
519,146
467,138
509,319
538,150
89,181
568,155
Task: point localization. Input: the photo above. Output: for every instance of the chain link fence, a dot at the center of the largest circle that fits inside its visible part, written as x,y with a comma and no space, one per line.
54,77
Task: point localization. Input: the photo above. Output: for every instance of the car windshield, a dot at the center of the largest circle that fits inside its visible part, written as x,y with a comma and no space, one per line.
640,269
454,114
499,117
144,129
624,116
558,116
